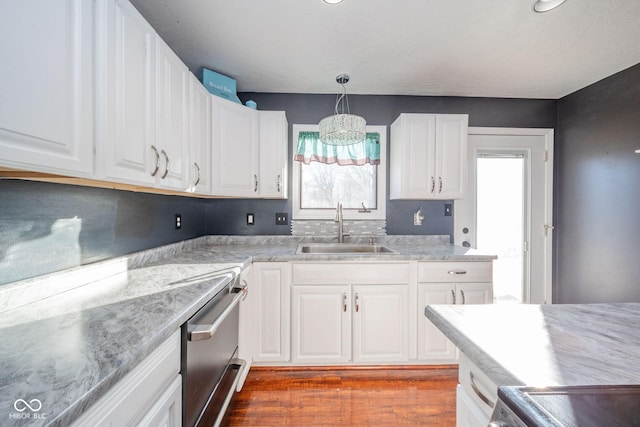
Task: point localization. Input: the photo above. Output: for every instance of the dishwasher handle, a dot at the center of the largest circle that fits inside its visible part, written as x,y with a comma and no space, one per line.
205,332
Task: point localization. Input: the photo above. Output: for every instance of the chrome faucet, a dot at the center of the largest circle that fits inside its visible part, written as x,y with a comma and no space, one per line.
340,220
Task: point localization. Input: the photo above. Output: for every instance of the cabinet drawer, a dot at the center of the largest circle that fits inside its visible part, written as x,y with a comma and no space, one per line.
131,397
350,273
455,272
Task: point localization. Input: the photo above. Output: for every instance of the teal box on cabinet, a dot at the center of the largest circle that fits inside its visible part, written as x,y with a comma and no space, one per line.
220,85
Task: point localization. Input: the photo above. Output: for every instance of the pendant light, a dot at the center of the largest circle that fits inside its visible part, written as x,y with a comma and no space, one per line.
343,128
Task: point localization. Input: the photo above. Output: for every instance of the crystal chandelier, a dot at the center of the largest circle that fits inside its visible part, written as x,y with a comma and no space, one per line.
342,128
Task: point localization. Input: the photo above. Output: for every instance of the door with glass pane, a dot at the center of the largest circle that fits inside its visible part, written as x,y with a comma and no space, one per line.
508,209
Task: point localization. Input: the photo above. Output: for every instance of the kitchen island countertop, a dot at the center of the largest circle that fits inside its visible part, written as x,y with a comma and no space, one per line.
69,336
547,345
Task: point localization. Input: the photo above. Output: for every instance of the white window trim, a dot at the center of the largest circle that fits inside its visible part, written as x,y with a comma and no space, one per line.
378,214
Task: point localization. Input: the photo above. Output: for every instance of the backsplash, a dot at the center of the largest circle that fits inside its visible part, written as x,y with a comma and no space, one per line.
330,228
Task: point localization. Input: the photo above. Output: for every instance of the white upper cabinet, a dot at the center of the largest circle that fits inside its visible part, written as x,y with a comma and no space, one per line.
125,83
142,120
199,138
273,154
172,117
428,156
235,138
46,86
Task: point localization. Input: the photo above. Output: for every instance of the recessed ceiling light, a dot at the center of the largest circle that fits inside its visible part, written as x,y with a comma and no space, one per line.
545,5
332,1
637,151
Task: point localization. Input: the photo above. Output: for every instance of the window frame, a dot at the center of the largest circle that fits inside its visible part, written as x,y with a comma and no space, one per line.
350,214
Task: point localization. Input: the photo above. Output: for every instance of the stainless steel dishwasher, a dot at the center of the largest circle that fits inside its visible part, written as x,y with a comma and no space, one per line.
210,368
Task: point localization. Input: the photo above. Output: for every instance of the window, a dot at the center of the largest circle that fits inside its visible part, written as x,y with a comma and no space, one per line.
319,187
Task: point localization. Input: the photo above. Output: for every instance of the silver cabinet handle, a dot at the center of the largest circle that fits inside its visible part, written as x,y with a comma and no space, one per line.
457,272
453,295
244,290
440,187
357,302
198,176
477,391
279,183
433,184
344,302
155,151
464,300
255,182
166,166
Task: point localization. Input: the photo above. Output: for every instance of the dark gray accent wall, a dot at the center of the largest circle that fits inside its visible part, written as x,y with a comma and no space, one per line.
377,110
597,192
110,223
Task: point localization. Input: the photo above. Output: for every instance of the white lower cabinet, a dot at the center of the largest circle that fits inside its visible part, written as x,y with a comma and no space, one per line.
476,395
149,395
271,311
448,283
340,324
321,330
351,313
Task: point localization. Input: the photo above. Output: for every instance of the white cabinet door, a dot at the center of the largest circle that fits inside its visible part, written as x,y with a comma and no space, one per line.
46,89
428,156
125,88
380,323
474,293
468,414
172,117
271,311
413,150
199,138
433,345
167,410
451,155
273,154
322,324
234,149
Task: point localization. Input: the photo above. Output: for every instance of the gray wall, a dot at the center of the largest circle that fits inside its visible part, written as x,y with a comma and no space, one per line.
377,110
597,192
109,223
112,223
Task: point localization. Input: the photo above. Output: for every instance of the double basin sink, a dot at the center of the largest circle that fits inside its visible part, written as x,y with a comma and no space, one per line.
342,248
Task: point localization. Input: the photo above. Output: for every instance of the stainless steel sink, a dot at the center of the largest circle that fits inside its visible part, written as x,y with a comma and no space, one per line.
341,248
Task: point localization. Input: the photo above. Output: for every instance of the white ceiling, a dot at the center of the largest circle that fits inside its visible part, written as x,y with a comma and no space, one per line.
494,48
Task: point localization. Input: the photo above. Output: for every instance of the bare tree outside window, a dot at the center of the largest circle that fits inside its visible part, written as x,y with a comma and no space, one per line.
323,186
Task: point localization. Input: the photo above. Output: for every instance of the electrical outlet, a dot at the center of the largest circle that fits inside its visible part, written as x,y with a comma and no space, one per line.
282,218
178,221
447,209
251,218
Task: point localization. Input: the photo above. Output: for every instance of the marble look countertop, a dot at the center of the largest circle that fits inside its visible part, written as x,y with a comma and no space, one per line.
547,345
68,337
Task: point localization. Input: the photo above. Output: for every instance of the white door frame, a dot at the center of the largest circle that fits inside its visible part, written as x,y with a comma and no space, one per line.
547,253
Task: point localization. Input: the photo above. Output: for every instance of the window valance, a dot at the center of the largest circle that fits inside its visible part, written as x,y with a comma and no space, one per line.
310,149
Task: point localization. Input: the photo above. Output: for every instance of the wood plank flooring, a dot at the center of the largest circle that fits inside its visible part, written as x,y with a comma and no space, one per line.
416,396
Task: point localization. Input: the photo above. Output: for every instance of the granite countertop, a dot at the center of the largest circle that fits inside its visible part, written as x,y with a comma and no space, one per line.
69,336
547,345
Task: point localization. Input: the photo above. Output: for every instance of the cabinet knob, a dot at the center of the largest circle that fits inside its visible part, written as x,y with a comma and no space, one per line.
453,295
344,302
464,301
440,185
279,183
357,303
255,182
433,184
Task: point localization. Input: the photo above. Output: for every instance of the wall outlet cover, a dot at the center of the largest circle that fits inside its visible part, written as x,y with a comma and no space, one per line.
251,218
282,218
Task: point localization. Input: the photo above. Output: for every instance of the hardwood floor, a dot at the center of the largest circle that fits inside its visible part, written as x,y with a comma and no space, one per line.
418,396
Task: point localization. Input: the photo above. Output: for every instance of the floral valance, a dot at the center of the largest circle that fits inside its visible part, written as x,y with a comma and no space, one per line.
310,149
